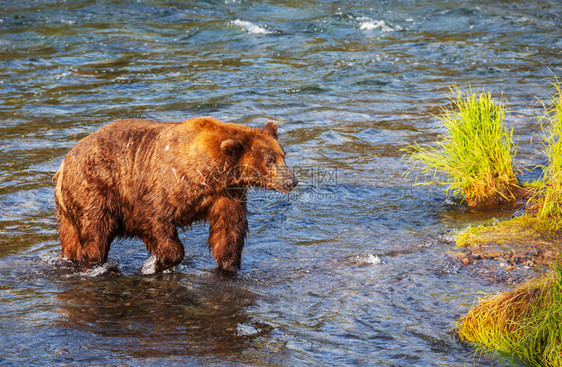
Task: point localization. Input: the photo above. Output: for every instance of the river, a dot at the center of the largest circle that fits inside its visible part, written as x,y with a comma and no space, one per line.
354,267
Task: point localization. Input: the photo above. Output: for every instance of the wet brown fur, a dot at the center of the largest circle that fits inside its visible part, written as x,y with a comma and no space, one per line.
143,178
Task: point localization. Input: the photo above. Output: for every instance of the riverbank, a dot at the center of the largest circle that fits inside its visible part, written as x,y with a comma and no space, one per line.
507,251
514,242
524,322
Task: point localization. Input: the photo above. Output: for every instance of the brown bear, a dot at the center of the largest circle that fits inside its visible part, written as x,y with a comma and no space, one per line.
143,178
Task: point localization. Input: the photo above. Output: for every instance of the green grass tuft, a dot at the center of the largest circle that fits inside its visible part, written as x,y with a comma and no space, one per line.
474,159
526,322
548,205
525,229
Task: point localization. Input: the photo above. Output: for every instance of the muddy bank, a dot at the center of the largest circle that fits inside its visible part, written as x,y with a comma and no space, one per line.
509,251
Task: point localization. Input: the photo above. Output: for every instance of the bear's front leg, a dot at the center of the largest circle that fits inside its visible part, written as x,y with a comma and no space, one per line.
227,231
165,247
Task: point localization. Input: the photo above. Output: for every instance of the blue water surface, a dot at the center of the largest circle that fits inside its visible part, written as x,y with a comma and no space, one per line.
354,267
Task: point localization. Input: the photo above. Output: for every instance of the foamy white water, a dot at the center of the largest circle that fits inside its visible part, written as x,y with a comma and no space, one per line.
250,27
101,270
368,259
368,24
149,266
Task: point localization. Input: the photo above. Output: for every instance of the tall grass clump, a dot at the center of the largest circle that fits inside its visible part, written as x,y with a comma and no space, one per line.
526,322
474,157
549,204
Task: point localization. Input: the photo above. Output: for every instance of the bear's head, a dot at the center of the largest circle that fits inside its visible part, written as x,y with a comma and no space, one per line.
259,161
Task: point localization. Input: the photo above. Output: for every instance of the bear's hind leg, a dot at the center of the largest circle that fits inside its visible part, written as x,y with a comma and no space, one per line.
165,247
68,238
94,252
97,230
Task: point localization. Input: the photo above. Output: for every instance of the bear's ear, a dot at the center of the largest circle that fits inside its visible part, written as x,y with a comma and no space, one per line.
271,128
231,147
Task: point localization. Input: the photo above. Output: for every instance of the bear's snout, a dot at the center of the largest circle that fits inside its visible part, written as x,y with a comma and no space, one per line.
291,182
286,180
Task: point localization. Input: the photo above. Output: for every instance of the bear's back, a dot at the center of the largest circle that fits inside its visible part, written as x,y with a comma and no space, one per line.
128,131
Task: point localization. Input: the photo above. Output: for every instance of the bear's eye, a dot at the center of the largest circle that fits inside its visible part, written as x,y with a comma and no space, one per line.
270,160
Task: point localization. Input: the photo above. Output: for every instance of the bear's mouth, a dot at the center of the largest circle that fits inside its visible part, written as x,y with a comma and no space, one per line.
286,184
284,190
281,187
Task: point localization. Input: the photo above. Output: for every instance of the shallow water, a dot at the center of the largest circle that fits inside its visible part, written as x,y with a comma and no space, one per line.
352,268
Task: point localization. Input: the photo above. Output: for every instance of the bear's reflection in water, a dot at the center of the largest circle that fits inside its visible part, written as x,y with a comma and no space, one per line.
163,315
